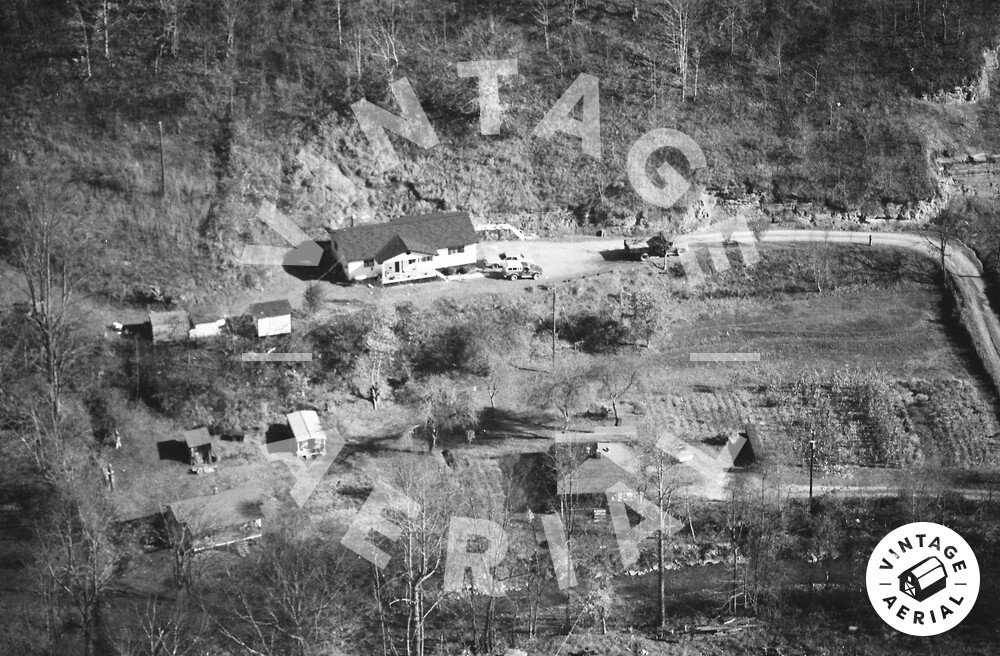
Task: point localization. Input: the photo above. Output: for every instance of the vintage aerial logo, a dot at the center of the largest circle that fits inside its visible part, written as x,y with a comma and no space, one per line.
923,579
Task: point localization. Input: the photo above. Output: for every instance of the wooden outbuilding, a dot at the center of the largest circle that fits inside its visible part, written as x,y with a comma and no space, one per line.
172,326
272,318
217,520
199,446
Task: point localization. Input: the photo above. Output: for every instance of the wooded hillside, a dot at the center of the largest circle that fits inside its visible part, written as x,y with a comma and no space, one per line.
789,99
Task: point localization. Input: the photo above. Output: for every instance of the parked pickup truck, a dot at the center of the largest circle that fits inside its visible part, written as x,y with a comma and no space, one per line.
514,269
514,266
655,246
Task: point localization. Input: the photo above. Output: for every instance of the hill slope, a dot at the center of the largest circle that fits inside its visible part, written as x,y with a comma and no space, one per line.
841,103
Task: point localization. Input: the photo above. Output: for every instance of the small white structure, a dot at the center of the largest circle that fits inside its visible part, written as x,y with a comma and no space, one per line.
272,318
207,329
310,439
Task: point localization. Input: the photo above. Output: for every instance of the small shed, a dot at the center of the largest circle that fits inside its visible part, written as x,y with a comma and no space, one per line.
310,439
924,579
199,446
272,317
172,326
217,519
205,325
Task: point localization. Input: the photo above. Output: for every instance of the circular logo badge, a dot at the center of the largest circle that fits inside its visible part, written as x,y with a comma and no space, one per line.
923,579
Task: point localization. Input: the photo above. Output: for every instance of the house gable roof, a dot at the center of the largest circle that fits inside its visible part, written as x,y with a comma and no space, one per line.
593,476
270,309
398,245
421,233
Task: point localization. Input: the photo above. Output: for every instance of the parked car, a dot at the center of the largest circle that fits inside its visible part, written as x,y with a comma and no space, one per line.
513,270
504,258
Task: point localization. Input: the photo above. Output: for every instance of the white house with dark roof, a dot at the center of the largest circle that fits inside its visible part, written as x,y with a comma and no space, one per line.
407,248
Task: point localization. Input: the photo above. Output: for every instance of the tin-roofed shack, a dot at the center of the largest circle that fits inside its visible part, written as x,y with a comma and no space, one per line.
272,317
199,446
172,326
217,520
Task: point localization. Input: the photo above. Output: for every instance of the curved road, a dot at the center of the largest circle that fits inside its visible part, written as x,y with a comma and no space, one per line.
965,271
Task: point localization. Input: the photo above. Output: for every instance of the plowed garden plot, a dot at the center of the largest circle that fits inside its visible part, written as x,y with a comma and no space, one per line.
937,423
879,376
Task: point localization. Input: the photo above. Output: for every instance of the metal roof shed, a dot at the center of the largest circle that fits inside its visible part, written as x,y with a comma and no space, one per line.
272,317
310,439
170,326
199,446
219,519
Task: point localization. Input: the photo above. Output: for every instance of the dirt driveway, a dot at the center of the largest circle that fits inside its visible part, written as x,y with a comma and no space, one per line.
560,260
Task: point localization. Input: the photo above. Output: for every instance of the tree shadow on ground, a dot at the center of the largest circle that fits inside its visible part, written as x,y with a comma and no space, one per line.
500,423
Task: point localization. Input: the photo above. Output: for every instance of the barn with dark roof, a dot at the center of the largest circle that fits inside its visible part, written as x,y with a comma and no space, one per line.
407,248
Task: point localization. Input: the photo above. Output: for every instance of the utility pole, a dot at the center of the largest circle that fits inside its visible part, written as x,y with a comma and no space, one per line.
812,458
555,293
163,168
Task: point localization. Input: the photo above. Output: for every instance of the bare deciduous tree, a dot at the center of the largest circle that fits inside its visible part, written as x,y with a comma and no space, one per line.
383,20
48,243
498,377
737,17
617,378
446,407
284,602
380,351
567,391
81,23
412,580
680,20
541,12
155,631
662,482
81,554
945,228
231,11
171,13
